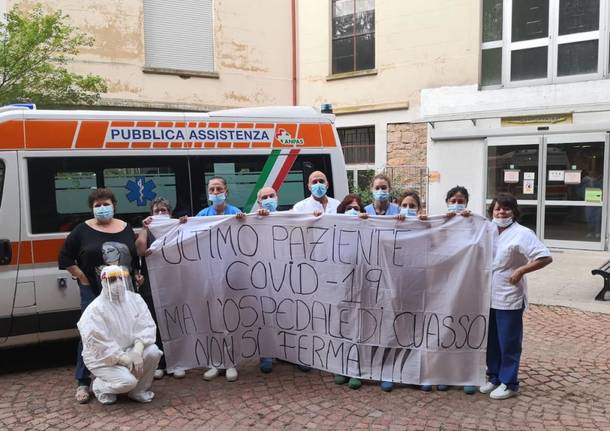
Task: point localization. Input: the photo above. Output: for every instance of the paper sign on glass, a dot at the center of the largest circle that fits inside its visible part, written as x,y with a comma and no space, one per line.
529,175
511,176
528,187
572,177
556,175
593,194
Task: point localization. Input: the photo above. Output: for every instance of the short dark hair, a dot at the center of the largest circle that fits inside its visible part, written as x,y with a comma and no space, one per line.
348,200
218,178
159,200
455,190
101,194
506,201
413,194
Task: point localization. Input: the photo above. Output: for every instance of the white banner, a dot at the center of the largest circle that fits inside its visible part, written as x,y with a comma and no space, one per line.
377,299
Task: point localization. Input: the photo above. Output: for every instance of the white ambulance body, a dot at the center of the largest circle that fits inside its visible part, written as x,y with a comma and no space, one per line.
50,161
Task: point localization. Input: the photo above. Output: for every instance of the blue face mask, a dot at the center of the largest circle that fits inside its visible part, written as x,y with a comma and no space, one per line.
103,213
456,208
352,212
319,189
408,212
218,199
381,195
270,204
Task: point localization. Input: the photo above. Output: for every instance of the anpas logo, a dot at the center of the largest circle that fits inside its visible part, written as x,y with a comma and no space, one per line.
285,139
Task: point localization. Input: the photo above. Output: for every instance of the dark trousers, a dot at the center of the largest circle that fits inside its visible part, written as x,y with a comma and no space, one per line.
151,307
82,374
504,347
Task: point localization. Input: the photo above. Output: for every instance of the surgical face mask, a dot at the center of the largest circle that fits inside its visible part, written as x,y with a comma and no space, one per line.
319,189
270,204
456,208
161,216
408,212
103,213
503,222
381,195
352,212
218,199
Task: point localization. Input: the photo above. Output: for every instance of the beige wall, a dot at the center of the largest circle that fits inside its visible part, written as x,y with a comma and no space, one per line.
419,44
252,54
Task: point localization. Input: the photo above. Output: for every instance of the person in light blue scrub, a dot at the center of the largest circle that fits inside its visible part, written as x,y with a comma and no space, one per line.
381,198
217,194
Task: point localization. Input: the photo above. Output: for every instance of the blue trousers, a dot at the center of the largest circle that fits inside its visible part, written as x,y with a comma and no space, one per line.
82,374
504,347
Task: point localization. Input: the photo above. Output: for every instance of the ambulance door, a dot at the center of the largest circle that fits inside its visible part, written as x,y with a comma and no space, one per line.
9,238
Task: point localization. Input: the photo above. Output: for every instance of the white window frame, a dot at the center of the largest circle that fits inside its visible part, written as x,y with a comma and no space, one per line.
552,42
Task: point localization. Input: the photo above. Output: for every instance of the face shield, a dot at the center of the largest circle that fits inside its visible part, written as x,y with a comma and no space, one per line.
114,283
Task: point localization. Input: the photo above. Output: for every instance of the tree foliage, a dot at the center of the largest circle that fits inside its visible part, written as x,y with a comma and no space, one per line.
35,48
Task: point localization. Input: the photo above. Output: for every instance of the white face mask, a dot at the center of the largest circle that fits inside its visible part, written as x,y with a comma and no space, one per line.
503,222
161,216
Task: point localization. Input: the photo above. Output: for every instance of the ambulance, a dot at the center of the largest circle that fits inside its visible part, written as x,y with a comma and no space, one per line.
51,160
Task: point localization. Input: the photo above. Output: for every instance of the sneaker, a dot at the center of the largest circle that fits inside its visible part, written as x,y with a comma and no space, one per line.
354,383
107,398
469,390
502,392
159,373
387,386
210,374
340,380
266,365
142,397
442,388
425,388
82,394
487,388
179,374
231,374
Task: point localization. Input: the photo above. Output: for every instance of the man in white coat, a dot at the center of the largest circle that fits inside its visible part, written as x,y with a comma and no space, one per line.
318,203
118,336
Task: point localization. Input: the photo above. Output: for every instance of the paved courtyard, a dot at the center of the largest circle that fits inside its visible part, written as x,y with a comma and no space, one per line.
565,386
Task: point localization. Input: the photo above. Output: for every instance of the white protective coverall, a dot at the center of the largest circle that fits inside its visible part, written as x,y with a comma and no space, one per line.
118,335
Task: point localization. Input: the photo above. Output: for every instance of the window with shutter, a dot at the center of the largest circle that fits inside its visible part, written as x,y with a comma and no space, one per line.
179,35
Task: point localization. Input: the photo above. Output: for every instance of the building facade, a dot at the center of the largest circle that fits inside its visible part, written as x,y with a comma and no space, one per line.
370,59
536,121
196,55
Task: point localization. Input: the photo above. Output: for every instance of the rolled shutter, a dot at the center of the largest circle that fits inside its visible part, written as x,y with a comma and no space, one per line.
178,34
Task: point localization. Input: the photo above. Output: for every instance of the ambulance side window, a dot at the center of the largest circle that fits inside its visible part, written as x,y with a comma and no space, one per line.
59,188
2,171
245,174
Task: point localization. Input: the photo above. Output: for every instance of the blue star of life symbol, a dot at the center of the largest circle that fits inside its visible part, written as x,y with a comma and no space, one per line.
140,190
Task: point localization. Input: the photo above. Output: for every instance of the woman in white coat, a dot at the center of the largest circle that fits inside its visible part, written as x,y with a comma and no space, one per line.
517,251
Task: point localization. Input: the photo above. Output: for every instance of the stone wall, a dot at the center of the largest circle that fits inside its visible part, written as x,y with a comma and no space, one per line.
407,157
407,144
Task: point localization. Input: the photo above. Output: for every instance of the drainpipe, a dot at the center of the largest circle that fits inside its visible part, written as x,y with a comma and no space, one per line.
294,51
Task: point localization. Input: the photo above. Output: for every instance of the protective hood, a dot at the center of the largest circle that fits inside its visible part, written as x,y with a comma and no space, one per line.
114,283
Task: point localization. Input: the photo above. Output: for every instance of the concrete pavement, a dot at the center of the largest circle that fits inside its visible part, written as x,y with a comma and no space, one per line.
568,281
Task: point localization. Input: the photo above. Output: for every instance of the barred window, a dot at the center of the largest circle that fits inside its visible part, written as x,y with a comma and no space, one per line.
358,144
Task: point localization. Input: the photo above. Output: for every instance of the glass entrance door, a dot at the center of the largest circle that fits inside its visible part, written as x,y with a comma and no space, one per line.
513,166
574,192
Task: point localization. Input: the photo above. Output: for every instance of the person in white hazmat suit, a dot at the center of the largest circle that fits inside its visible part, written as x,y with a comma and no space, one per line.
118,336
